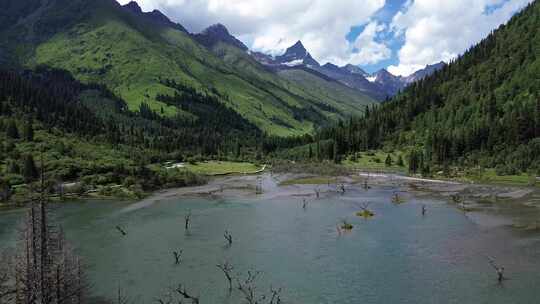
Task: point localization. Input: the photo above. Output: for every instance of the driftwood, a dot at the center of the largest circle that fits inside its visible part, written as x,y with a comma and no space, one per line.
178,256
122,231
228,237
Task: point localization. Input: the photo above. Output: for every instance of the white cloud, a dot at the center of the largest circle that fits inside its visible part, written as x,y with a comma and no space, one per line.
433,30
369,51
442,30
272,26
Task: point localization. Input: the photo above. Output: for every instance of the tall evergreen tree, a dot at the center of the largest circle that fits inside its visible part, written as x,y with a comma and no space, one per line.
11,130
28,131
30,171
388,161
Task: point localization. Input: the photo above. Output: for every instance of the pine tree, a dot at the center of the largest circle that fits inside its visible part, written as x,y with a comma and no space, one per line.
12,131
413,161
28,131
388,162
319,150
30,171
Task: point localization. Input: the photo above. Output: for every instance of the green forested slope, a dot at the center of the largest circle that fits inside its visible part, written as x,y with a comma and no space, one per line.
99,42
482,109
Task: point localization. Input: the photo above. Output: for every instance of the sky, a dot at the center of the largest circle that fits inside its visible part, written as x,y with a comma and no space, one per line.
399,35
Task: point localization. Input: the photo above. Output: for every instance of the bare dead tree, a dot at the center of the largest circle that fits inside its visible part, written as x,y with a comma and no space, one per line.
7,291
228,237
275,297
248,289
167,299
187,220
364,206
259,185
366,186
121,230
178,256
227,269
184,293
396,199
121,297
498,269
177,295
45,270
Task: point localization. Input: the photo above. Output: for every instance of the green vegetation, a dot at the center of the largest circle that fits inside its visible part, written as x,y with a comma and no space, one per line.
365,214
346,225
74,167
100,42
490,176
112,95
222,168
376,160
480,111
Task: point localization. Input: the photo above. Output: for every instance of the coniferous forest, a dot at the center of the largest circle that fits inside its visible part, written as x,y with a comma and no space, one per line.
480,111
483,109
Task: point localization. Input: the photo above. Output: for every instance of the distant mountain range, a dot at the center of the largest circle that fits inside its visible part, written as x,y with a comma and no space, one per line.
139,55
132,52
379,85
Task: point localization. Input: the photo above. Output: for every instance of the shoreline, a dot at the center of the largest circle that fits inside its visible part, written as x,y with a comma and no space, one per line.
515,207
228,185
489,206
240,184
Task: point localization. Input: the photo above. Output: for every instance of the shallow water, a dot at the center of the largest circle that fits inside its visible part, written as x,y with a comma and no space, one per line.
396,257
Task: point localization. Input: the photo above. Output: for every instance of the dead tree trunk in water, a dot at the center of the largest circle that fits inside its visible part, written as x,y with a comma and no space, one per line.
498,269
228,237
187,220
177,256
121,230
182,291
227,269
248,289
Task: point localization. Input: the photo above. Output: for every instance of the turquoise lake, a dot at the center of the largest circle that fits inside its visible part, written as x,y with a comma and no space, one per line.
398,256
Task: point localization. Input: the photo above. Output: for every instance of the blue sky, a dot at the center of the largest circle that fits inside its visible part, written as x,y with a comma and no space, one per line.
384,16
399,35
